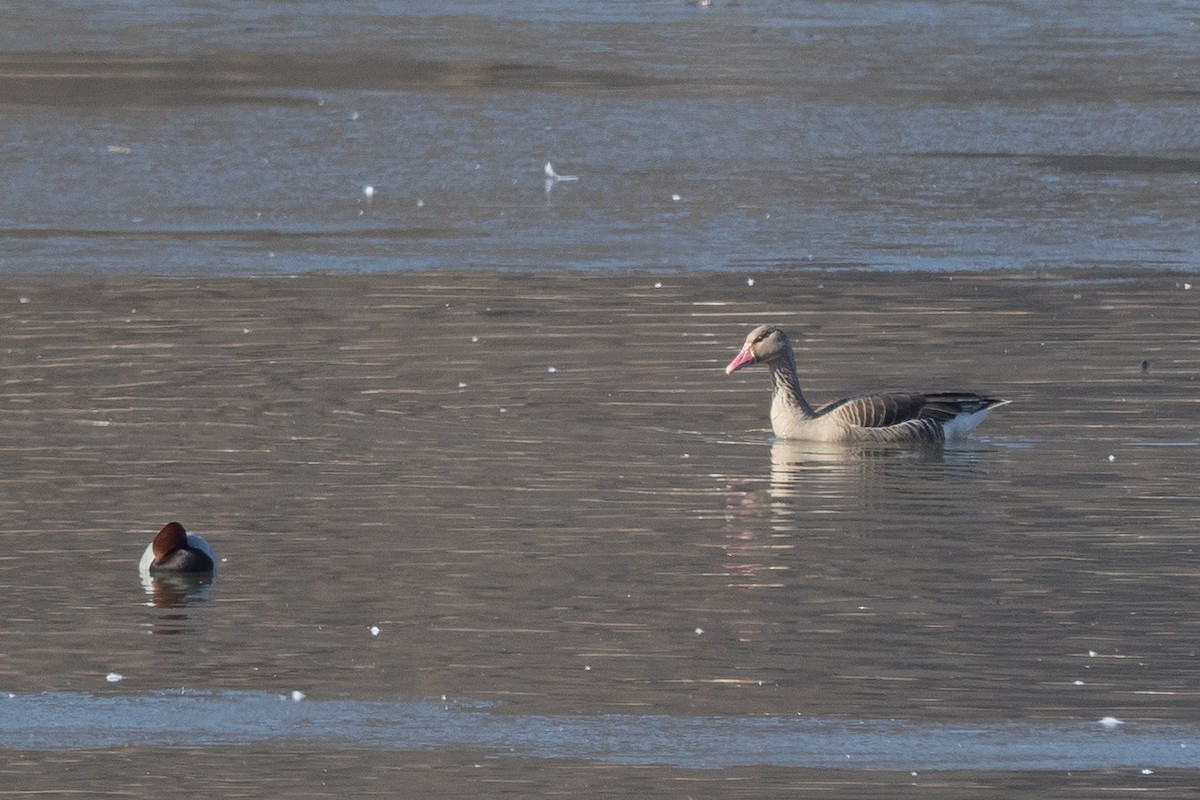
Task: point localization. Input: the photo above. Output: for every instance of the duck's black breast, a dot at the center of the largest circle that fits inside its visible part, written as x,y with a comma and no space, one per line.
184,560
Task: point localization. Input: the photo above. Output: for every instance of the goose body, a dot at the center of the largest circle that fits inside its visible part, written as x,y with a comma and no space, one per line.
897,417
174,550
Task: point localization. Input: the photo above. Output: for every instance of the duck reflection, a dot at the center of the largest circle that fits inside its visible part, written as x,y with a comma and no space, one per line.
177,590
173,592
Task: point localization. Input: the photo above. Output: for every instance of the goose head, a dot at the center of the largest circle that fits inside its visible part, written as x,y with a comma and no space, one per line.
766,343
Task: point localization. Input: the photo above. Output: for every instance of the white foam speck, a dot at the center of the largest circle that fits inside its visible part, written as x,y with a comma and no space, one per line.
474,340
297,695
1147,772
676,198
369,191
749,281
462,385
699,631
551,369
1111,722
1187,286
658,285
113,677
1079,683
1112,457
420,203
353,116
374,629
504,411
24,300
1091,653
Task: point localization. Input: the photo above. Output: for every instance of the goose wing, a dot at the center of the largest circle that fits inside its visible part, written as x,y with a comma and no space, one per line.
876,410
883,410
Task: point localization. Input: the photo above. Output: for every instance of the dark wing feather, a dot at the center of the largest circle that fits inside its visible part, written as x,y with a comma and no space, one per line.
945,406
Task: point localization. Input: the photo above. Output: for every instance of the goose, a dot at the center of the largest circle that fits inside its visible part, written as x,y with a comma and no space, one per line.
900,417
174,550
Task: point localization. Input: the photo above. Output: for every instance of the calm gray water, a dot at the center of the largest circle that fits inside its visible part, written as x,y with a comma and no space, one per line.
907,135
479,487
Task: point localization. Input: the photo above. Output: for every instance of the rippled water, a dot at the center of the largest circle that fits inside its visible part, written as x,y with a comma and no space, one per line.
545,494
468,436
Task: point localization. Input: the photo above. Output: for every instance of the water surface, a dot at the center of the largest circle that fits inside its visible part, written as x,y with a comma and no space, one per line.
467,436
546,495
890,135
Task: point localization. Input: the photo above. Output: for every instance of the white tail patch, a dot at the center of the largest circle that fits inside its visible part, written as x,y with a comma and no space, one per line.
964,423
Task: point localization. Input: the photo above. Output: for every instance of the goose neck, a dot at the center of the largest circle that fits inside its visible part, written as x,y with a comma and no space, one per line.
786,386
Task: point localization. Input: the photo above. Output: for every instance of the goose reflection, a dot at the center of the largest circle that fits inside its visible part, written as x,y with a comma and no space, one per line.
834,470
812,485
826,529
866,473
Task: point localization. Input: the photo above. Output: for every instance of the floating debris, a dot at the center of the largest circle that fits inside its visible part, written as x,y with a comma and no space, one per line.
553,177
